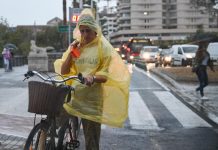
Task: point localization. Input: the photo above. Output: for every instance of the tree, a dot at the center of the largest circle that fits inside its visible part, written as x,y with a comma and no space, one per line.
4,28
21,38
200,35
202,3
50,37
204,6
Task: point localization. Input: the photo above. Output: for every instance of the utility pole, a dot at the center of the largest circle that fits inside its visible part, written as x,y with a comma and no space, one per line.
64,22
64,12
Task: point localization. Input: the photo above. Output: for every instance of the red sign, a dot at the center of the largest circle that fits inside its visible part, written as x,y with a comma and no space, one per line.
74,14
75,18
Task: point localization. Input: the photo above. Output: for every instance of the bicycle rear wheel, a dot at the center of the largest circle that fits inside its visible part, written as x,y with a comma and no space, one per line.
37,138
67,135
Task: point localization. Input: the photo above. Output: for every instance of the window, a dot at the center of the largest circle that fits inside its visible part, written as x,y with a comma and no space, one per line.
146,20
173,21
179,51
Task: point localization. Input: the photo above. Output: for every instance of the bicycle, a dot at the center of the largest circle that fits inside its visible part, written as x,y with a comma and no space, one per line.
42,97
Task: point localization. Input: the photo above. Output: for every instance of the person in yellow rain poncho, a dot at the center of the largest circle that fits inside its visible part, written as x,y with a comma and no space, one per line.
103,99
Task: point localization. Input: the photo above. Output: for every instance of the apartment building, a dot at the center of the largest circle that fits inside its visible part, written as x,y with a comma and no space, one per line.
160,20
107,19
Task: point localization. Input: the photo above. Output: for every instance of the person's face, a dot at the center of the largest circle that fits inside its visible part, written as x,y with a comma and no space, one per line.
87,34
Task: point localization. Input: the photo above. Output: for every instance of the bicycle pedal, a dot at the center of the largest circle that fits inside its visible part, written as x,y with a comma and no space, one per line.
73,144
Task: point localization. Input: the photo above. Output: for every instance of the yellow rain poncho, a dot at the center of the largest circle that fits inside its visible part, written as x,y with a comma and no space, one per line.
105,103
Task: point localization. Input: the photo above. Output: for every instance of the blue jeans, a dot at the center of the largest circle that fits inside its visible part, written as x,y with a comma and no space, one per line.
202,78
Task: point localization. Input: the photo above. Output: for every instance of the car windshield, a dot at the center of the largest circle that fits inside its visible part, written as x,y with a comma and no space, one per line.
151,50
136,47
190,49
166,51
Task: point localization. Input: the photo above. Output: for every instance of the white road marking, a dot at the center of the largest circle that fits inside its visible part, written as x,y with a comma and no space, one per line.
139,115
185,115
132,89
149,75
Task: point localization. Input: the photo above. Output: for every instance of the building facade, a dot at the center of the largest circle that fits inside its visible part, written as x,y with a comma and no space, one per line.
108,22
160,20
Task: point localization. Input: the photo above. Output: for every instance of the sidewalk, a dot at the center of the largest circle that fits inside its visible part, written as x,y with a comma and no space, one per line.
186,90
14,130
9,142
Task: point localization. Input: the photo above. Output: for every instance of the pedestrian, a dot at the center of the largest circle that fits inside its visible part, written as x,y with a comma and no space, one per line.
10,60
6,58
104,97
201,61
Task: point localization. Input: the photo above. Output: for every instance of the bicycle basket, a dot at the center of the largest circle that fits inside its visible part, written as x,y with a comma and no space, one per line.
45,98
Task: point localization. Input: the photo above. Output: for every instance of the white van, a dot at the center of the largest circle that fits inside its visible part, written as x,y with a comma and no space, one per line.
183,54
213,50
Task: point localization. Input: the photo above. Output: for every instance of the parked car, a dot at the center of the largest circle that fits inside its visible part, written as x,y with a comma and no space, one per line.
213,50
148,53
183,54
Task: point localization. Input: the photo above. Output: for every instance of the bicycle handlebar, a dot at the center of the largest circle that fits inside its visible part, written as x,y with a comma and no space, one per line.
50,79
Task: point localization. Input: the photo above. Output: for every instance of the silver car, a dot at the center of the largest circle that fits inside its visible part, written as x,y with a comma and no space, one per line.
148,53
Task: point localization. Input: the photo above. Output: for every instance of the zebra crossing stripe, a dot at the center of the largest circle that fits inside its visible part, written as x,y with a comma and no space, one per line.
148,74
139,115
183,114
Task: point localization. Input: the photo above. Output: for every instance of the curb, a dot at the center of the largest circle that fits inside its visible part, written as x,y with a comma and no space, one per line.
189,102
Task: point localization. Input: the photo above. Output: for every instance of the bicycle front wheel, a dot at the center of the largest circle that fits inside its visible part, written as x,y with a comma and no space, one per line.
37,138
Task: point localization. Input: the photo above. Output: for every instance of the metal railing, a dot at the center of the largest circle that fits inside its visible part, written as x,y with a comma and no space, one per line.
16,61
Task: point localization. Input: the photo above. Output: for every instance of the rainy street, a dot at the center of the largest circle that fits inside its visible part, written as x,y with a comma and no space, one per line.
157,119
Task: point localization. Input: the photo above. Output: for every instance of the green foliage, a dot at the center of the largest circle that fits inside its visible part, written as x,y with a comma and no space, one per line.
50,37
200,36
3,31
25,46
21,37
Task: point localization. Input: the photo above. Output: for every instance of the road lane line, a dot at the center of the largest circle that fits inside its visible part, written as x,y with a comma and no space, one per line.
153,78
184,115
139,115
149,88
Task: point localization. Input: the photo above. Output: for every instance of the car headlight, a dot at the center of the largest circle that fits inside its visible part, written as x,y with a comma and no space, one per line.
168,58
131,57
188,56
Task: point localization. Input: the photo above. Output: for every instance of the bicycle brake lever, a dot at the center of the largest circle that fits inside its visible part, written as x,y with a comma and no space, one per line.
25,78
28,75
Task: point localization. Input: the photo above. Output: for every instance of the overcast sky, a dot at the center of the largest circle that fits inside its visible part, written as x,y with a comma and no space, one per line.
26,12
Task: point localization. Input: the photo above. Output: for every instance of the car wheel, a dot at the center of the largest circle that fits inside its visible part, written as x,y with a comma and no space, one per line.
183,63
156,64
172,63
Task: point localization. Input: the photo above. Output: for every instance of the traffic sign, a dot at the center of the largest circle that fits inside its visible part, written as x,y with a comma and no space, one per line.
74,14
65,28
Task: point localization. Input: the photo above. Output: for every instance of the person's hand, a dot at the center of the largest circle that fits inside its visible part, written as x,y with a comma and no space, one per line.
89,80
74,44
